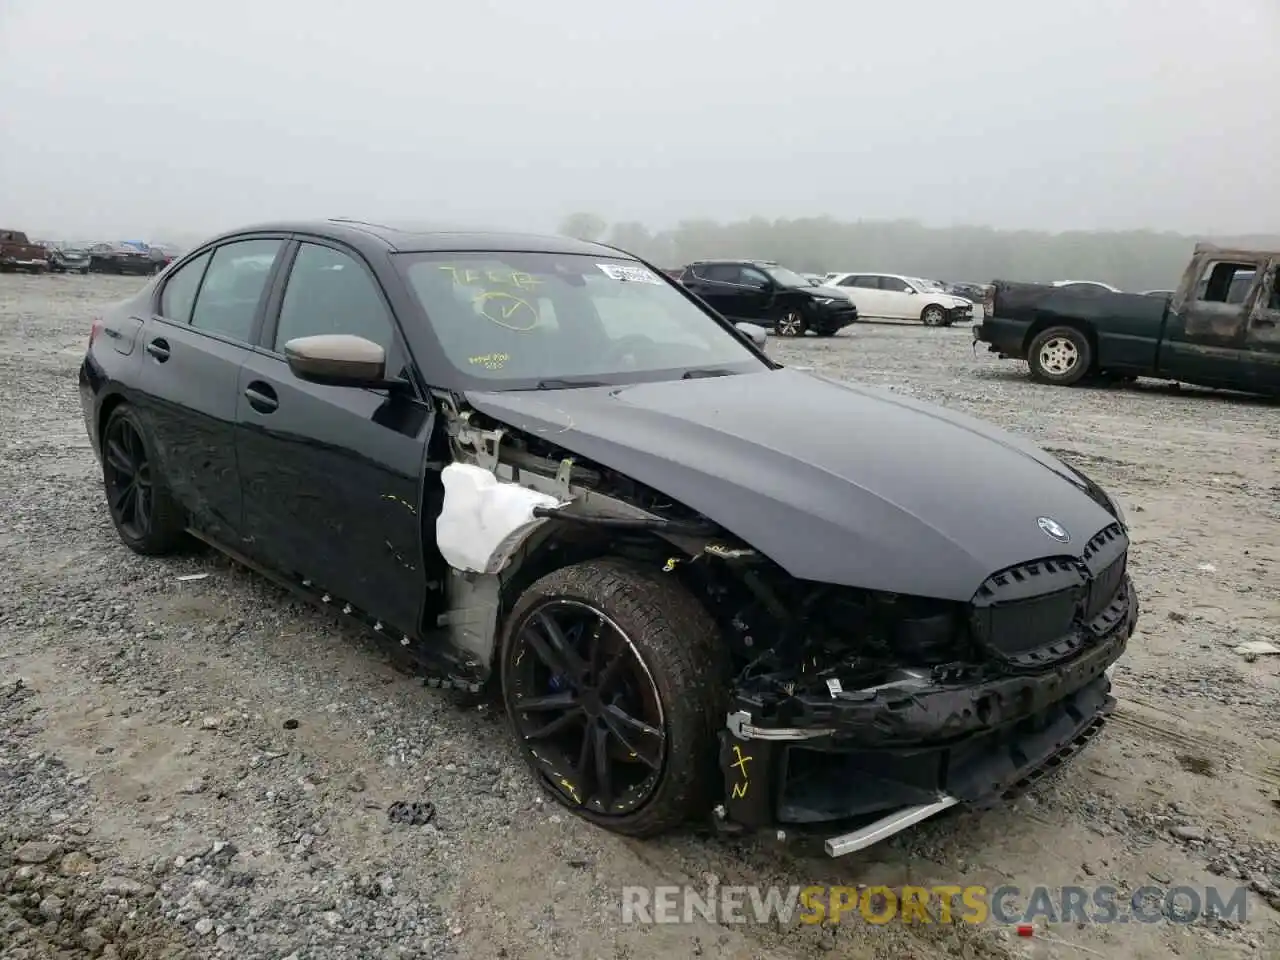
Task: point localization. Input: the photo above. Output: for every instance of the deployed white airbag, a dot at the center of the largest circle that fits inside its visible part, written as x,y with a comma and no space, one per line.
484,518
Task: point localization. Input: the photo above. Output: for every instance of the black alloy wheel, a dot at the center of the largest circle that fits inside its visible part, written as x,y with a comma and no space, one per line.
141,508
587,706
127,473
615,681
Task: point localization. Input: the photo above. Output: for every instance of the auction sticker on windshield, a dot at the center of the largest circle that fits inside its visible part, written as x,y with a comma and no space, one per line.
627,273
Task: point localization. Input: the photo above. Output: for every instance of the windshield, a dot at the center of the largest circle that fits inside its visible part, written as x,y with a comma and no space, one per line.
518,320
787,278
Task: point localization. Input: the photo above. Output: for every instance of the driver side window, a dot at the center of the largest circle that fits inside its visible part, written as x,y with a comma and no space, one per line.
751,277
894,284
328,291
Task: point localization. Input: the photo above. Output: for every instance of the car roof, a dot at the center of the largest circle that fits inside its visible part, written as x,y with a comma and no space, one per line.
869,273
368,236
757,263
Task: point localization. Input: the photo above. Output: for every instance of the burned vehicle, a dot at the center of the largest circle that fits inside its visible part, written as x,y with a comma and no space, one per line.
544,469
1220,328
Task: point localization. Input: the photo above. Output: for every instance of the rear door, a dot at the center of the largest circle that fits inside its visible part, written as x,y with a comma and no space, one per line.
332,476
204,318
864,291
716,284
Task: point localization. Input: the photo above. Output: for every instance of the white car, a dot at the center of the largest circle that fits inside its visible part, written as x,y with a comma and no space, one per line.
892,296
1094,286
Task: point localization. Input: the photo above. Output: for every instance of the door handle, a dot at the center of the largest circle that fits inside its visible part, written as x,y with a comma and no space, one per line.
159,348
261,397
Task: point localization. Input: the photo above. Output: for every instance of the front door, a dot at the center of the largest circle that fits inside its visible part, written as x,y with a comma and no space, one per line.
199,334
1205,333
1262,338
898,299
332,476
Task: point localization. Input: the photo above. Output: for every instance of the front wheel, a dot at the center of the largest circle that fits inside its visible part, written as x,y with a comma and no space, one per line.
614,679
933,316
145,514
792,324
1060,355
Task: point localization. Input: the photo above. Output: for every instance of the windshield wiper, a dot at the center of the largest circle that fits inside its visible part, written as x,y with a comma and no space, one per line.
563,383
706,372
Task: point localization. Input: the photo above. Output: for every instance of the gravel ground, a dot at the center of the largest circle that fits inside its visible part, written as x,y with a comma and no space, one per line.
205,767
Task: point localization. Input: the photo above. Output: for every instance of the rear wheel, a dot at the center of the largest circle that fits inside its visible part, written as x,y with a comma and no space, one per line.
614,680
145,515
792,324
1060,355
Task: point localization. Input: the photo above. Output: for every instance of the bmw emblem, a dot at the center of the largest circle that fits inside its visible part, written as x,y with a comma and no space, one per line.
1052,528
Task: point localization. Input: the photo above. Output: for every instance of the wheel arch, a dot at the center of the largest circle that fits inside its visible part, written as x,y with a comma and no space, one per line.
110,403
553,547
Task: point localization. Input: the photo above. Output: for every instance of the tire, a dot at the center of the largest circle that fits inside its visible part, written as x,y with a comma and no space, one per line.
791,324
157,526
1060,355
934,316
673,666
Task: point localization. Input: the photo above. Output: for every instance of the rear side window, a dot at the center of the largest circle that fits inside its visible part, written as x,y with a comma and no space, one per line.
179,294
233,287
719,272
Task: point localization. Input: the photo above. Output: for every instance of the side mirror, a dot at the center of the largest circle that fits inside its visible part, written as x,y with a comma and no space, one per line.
759,335
338,360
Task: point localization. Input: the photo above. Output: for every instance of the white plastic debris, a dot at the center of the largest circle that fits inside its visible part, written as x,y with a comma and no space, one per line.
187,577
1258,648
1207,567
484,518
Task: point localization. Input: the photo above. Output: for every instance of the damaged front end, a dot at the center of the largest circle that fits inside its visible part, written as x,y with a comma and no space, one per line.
860,711
884,710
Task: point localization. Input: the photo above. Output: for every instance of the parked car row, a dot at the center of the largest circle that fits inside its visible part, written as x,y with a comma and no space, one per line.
793,304
19,253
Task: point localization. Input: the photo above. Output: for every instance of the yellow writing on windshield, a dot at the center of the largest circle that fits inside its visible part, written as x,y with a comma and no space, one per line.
490,361
502,278
507,310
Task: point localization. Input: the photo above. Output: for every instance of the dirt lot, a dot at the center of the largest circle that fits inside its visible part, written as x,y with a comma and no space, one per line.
204,767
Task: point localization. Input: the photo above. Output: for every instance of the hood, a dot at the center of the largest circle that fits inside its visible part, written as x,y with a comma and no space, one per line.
834,482
831,292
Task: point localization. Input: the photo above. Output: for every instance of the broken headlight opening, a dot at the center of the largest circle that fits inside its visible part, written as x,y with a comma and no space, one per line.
870,712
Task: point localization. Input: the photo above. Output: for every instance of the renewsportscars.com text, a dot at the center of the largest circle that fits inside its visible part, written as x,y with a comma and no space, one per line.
970,904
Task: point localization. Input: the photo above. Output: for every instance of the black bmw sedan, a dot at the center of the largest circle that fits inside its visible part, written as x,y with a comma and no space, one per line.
703,584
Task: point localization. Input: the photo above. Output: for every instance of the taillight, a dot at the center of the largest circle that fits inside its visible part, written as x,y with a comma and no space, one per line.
95,330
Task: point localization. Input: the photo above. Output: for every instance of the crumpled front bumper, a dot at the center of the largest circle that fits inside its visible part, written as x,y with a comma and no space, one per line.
881,761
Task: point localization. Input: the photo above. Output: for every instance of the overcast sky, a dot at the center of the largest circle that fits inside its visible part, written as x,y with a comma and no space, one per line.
140,118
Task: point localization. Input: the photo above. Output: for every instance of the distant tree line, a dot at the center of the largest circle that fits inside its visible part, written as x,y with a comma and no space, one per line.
1131,259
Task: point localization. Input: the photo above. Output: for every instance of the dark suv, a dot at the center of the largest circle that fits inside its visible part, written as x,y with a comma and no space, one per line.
761,291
